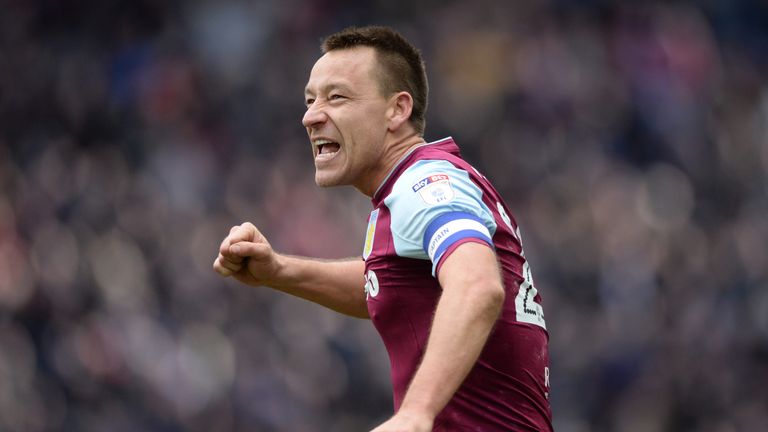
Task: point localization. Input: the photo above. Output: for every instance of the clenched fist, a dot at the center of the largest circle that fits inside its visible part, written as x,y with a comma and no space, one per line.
246,255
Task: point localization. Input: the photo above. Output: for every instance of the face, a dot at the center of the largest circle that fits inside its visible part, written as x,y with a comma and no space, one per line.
346,118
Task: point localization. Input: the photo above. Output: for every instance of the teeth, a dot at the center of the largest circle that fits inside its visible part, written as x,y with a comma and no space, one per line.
321,142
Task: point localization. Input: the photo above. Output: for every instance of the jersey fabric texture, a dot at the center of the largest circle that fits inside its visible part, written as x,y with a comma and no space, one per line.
431,203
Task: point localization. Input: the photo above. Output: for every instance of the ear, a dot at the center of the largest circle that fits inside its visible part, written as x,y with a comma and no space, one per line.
399,110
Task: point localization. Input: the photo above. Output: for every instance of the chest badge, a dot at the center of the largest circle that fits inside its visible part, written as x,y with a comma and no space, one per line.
369,233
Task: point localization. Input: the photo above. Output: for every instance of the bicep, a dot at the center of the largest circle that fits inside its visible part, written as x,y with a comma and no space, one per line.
471,264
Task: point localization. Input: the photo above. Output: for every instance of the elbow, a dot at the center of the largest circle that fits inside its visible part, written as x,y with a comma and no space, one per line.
486,291
498,296
360,314
494,295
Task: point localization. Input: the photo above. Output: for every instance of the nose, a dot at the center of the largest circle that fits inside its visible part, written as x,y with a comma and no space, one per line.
314,116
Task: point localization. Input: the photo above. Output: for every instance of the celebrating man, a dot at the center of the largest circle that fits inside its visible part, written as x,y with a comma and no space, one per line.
443,276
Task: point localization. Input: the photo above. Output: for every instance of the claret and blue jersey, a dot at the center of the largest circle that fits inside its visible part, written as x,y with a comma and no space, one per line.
431,203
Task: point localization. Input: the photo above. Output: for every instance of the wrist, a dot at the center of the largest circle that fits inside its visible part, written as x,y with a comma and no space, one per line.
418,409
279,275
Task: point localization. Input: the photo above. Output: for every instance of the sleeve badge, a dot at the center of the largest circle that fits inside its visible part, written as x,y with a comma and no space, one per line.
435,189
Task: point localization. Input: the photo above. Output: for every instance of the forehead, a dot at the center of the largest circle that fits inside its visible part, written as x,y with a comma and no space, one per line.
349,67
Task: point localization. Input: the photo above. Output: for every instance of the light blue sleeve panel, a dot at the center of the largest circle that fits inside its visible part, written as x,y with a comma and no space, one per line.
433,205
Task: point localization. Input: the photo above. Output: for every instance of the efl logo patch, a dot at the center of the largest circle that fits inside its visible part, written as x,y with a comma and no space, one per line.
435,189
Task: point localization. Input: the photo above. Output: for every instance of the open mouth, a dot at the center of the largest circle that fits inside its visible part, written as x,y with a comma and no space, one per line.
326,149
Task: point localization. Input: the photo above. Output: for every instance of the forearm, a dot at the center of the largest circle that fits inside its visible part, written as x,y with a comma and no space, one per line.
337,285
246,255
472,298
463,320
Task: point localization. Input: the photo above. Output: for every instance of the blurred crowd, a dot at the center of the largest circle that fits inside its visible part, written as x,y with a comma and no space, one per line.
630,139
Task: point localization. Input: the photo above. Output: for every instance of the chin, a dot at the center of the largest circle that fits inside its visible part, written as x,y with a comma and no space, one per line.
326,180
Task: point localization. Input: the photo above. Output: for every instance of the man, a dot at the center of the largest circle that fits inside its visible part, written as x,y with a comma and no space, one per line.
446,283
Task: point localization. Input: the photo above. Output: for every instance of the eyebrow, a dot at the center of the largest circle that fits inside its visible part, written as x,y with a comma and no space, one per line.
328,88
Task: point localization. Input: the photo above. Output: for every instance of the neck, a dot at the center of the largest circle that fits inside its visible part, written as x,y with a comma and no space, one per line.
393,152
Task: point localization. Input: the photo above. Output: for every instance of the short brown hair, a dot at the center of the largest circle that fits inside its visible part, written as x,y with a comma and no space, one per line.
402,66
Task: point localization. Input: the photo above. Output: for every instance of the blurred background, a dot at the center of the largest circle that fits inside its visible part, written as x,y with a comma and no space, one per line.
630,139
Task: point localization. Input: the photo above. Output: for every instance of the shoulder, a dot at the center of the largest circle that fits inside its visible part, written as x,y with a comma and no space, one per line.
430,193
431,182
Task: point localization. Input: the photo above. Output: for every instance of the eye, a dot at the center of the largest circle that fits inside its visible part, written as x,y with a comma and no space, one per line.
309,101
336,96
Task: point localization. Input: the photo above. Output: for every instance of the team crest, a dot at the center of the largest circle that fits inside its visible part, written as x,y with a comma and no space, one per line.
435,189
369,233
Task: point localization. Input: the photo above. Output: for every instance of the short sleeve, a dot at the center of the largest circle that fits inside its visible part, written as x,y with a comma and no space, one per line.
435,206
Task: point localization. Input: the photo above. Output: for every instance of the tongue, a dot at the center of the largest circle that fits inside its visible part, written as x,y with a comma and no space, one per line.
329,148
